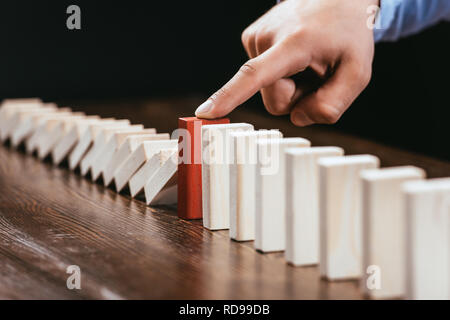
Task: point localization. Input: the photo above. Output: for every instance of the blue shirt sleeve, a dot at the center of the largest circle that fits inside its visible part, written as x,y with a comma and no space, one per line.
401,18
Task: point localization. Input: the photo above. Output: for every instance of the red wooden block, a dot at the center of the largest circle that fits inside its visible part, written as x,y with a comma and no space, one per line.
190,166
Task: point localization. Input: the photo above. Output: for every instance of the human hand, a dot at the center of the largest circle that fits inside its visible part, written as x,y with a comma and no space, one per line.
327,38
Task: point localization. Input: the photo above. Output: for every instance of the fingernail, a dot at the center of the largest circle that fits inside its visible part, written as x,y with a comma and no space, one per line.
204,108
301,119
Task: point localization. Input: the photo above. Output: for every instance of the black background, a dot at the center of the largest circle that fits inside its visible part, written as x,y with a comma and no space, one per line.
131,49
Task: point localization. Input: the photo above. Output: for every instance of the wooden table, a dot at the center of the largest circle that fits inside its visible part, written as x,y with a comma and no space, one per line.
51,218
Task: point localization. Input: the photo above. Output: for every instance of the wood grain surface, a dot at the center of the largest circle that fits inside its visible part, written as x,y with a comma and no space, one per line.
51,218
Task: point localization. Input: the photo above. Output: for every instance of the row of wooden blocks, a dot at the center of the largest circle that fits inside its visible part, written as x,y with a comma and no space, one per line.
388,227
121,153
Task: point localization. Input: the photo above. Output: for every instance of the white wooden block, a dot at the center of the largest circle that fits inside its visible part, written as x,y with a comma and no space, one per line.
216,159
111,147
270,219
71,137
146,171
36,123
427,239
87,139
18,116
24,124
100,141
8,105
18,101
163,178
341,215
9,108
143,153
55,129
242,182
130,144
8,115
384,227
302,203
45,124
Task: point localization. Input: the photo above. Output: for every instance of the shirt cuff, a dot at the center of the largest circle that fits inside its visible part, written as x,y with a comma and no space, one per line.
385,19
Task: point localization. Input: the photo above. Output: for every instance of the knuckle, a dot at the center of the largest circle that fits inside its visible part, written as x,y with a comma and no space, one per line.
246,36
297,33
249,69
362,73
276,108
365,76
263,41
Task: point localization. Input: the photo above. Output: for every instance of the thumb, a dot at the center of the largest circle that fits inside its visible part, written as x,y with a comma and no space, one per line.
275,63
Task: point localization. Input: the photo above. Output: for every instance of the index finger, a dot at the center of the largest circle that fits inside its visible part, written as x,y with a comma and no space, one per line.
275,63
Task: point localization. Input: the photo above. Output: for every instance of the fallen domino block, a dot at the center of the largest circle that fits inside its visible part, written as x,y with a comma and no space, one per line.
427,211
341,215
10,107
28,121
71,137
126,149
146,171
111,147
216,158
384,227
161,186
142,154
242,182
87,139
10,104
34,126
55,129
270,219
7,103
190,166
100,141
16,118
46,123
302,203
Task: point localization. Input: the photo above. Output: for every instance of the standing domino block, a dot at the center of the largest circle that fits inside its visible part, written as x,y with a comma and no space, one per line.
111,147
242,182
216,158
126,149
87,139
302,203
161,186
427,239
190,166
71,137
341,215
270,219
100,141
384,227
142,154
